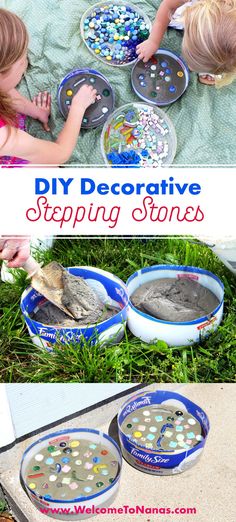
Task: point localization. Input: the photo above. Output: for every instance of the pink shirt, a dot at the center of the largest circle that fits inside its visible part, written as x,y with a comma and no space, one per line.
12,160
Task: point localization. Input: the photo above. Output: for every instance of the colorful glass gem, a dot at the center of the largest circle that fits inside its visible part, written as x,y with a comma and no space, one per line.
106,93
65,460
150,436
74,443
49,461
53,478
137,434
87,489
39,457
96,460
32,485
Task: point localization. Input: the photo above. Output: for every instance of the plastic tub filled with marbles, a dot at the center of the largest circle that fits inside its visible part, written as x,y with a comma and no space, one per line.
98,112
176,304
112,31
140,135
75,468
161,432
104,305
162,80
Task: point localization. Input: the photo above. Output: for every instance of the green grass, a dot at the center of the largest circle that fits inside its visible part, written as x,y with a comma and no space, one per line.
132,360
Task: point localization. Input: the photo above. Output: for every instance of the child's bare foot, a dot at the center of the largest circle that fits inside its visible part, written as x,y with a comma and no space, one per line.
43,103
208,79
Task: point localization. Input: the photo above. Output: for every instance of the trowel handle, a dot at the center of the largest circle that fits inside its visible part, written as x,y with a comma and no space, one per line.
31,266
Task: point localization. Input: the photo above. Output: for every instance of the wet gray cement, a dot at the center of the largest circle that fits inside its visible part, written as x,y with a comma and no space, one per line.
80,300
174,300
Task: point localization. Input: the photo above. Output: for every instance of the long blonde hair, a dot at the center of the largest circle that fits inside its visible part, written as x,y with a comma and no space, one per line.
209,43
13,44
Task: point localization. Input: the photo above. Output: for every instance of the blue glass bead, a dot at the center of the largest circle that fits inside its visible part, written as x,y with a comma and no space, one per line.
65,460
96,459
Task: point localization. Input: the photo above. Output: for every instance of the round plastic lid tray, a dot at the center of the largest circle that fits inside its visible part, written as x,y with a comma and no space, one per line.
170,137
169,79
87,13
73,81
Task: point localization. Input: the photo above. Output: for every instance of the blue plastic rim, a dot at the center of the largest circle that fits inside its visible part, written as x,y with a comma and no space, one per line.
115,289
182,64
67,432
177,268
75,72
157,398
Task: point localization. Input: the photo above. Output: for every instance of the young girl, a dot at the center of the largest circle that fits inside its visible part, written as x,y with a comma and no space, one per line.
16,146
209,42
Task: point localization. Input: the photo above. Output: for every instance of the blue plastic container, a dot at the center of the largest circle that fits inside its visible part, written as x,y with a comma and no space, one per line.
110,289
149,329
158,462
100,499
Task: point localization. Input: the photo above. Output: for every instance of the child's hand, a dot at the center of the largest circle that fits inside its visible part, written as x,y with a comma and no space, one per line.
85,97
146,49
43,104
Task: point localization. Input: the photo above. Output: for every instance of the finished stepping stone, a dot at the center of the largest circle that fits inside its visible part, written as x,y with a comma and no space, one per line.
71,467
162,80
112,31
98,112
162,432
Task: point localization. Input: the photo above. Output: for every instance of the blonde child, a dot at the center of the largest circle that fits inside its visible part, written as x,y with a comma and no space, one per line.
16,146
209,41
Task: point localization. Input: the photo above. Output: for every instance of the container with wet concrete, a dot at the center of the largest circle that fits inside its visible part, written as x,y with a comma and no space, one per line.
97,305
177,304
174,300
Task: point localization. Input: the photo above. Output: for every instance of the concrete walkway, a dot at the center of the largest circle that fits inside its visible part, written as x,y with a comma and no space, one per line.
208,486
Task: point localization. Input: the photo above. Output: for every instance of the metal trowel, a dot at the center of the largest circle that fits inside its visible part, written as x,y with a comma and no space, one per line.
47,281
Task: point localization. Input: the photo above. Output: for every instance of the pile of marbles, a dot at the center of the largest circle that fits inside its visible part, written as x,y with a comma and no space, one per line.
113,30
140,133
